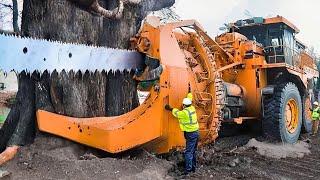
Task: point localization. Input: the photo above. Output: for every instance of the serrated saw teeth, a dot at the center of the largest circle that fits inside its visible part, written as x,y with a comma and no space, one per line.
20,53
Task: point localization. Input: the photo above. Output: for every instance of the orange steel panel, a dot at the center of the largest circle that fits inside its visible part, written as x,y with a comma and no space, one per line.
111,134
280,19
247,79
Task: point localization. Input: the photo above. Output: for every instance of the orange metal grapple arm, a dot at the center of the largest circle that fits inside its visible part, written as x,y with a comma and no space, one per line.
111,134
149,124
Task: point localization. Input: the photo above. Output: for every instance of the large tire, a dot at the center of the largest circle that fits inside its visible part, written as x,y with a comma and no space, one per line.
306,114
283,114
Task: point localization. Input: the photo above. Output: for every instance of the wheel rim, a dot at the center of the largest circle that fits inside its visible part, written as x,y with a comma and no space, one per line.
291,116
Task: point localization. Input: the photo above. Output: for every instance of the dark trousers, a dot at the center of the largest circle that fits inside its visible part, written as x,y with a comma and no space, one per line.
315,125
190,152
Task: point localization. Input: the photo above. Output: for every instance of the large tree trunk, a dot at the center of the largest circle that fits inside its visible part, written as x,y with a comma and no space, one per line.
63,21
19,127
73,93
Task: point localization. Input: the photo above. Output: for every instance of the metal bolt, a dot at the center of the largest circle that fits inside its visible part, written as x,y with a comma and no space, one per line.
157,88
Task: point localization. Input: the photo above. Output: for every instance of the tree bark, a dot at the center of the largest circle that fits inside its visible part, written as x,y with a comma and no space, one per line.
61,20
42,92
25,130
121,93
19,127
116,33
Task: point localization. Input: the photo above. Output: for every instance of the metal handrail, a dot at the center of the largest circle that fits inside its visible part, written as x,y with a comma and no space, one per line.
295,55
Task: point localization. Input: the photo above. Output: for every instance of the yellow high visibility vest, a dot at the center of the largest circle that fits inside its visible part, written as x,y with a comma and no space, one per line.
188,120
315,114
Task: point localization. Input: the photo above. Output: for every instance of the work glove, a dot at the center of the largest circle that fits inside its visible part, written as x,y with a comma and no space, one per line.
168,107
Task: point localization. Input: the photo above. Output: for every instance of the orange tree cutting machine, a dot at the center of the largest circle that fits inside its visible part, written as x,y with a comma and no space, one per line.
256,70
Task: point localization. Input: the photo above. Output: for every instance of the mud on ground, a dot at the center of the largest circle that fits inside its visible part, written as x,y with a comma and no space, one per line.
54,158
229,158
235,158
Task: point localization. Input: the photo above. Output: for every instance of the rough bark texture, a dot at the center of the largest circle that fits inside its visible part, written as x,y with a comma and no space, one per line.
74,93
116,33
120,86
42,92
19,127
97,91
61,20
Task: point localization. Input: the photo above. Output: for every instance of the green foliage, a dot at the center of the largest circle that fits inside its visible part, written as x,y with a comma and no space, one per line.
2,118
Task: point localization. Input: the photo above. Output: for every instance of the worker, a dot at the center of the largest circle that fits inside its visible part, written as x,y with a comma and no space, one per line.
189,125
315,118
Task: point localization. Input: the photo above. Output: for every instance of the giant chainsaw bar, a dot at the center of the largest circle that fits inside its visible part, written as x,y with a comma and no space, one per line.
20,53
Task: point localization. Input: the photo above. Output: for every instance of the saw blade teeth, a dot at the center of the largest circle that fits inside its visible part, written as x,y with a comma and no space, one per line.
54,55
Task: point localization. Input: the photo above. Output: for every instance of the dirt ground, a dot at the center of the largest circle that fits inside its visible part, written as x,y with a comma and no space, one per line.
232,161
54,158
229,158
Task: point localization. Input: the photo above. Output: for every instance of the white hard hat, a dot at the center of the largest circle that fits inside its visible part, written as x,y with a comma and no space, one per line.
315,103
186,101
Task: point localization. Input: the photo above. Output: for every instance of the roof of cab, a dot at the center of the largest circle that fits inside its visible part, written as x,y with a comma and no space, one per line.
259,20
280,19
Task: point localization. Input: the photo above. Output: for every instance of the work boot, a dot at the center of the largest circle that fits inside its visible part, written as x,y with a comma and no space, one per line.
193,170
186,173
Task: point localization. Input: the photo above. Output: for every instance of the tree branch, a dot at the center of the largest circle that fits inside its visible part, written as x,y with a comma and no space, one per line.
131,1
116,13
7,5
15,16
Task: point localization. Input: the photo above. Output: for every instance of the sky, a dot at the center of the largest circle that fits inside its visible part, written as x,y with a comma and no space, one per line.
212,14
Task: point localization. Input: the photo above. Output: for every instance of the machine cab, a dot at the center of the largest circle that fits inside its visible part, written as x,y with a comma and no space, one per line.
277,36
